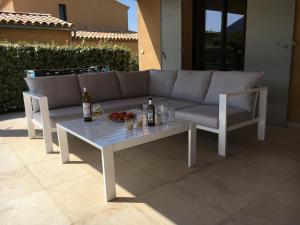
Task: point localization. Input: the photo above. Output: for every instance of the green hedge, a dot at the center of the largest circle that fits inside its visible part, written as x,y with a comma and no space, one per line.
15,58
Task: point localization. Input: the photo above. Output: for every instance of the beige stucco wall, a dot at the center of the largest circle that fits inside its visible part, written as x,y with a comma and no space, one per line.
92,14
149,34
34,35
7,5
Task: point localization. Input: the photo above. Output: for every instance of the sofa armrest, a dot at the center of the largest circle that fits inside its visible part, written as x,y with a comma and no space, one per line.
43,103
42,99
45,117
261,94
248,91
34,95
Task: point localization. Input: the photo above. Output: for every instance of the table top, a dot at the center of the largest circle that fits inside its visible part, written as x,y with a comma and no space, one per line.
103,133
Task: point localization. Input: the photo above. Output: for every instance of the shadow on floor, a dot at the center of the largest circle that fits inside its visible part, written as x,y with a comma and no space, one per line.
251,173
127,200
19,133
10,116
13,133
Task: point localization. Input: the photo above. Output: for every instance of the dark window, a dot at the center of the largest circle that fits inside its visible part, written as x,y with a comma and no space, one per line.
219,34
62,11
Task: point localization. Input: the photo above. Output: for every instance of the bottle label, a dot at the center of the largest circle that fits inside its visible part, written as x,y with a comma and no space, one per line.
150,115
86,109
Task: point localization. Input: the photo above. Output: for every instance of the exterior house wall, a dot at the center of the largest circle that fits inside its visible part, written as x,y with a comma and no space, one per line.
7,6
294,98
159,29
268,48
171,34
93,14
35,35
90,15
149,34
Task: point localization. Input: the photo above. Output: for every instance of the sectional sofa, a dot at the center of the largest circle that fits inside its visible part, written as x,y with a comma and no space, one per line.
214,101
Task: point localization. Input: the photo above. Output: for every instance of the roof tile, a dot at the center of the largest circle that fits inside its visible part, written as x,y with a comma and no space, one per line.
32,19
108,35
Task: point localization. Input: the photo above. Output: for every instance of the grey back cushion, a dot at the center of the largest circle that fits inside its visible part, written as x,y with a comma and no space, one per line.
62,91
100,86
161,82
134,84
233,81
191,85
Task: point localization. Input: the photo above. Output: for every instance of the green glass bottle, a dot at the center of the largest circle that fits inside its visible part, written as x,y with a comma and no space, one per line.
150,113
87,106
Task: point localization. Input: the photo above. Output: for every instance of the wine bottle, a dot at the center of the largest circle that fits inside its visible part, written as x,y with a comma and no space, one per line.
87,106
150,113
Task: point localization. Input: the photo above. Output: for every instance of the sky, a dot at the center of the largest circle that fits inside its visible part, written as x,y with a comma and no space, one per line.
214,18
132,16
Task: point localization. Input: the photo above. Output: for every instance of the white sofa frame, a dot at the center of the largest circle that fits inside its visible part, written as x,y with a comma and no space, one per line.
260,118
44,124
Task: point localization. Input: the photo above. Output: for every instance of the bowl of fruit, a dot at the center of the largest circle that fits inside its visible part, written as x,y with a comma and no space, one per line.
121,116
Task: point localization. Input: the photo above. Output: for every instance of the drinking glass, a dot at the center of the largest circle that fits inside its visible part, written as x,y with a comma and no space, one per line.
164,109
139,120
129,123
158,114
171,113
96,110
166,113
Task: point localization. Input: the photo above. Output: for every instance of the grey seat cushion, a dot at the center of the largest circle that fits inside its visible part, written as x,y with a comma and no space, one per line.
75,112
134,84
191,85
179,104
62,91
126,104
208,115
61,114
101,86
175,103
233,81
161,82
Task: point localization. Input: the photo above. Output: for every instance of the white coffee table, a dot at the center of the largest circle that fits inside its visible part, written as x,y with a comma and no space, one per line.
110,137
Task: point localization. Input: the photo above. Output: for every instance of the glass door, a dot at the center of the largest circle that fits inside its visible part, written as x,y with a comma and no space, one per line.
212,56
219,34
235,35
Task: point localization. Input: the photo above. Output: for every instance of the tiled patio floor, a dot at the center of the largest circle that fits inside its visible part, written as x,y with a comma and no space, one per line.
257,184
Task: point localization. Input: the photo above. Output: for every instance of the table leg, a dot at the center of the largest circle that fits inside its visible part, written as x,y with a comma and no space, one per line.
63,144
109,173
192,158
